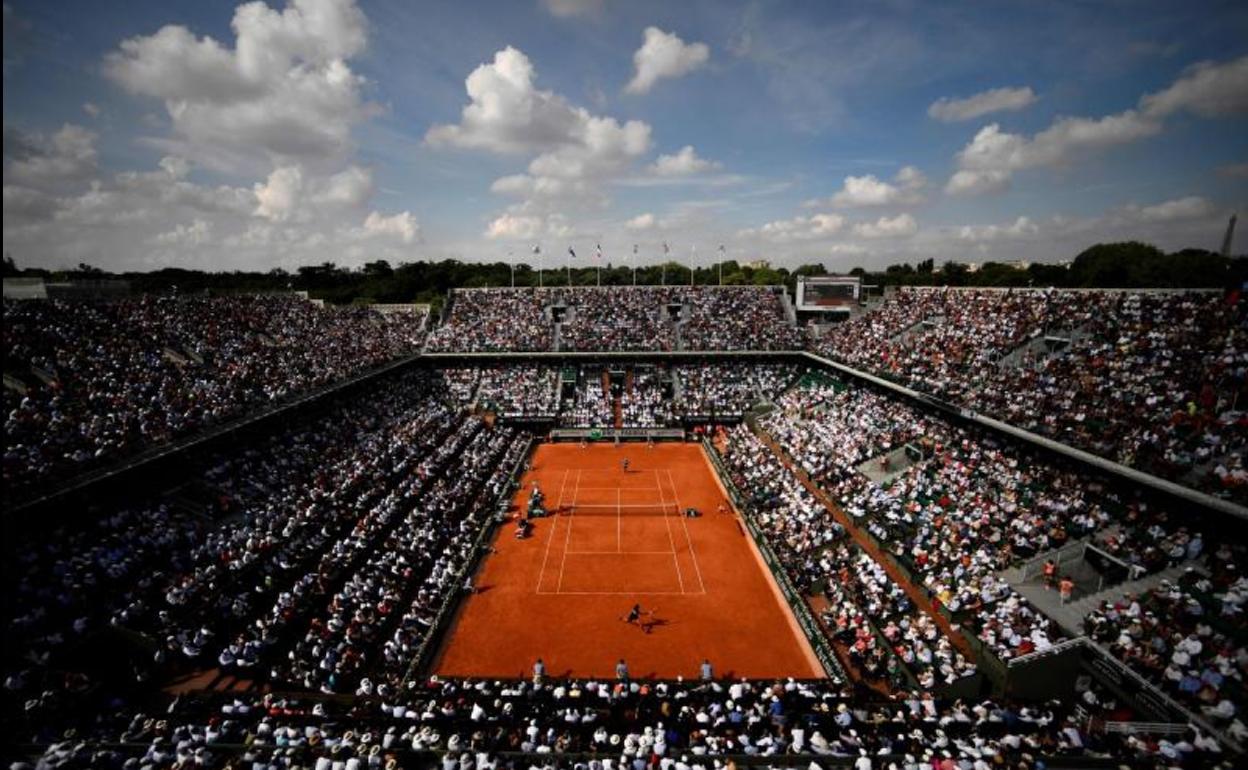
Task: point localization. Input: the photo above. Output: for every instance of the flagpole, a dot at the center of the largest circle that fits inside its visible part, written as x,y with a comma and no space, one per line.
721,264
693,250
634,264
511,259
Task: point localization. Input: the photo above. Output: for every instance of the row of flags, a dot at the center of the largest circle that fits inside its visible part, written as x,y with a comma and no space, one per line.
537,250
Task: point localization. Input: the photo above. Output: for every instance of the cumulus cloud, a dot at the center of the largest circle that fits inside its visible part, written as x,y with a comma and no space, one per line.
1190,207
861,191
196,233
278,198
510,226
991,158
644,221
799,228
284,90
900,226
1206,89
93,110
995,100
664,55
350,187
573,153
684,163
1020,227
69,155
993,155
402,226
508,114
289,195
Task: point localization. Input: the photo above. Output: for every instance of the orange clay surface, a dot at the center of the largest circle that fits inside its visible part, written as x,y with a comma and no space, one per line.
616,539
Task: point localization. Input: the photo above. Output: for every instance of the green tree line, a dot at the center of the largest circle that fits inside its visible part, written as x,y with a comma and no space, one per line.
1108,265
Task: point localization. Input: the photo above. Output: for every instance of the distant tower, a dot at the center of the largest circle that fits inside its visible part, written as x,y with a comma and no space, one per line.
1230,236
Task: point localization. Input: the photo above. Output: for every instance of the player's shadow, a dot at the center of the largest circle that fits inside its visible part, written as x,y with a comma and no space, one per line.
650,626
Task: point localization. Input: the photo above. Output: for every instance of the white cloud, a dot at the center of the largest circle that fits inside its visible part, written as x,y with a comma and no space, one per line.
350,187
1190,207
798,228
507,114
684,163
573,152
988,162
511,226
569,8
283,92
402,225
992,157
197,233
278,198
859,191
1206,89
980,104
664,55
40,161
93,110
900,226
1020,227
644,221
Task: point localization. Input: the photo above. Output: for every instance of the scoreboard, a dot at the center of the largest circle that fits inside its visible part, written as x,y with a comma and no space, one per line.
827,292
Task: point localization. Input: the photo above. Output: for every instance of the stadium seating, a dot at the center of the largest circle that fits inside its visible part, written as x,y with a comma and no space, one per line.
677,725
103,380
625,318
318,563
1151,379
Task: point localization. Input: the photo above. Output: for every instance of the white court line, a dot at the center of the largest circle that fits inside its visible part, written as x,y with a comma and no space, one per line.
688,537
613,593
619,523
668,526
568,540
553,526
621,553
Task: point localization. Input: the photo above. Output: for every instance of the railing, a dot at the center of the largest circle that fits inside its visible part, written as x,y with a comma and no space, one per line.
1145,728
409,757
1064,555
1111,666
1065,645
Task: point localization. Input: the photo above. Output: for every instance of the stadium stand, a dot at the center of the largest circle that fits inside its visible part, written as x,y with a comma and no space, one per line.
277,606
590,319
92,382
1154,380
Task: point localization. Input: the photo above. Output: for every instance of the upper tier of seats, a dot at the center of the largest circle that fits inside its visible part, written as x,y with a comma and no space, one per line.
617,318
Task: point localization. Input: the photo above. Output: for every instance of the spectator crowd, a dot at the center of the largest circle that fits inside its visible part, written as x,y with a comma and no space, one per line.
617,318
90,382
1154,380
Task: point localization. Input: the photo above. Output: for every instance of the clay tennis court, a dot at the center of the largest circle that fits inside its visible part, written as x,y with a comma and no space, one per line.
616,539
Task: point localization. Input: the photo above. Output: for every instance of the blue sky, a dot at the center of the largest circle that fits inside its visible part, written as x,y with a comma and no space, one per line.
232,136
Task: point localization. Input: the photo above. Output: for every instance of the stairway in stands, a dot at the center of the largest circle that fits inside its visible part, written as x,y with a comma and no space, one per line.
617,409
